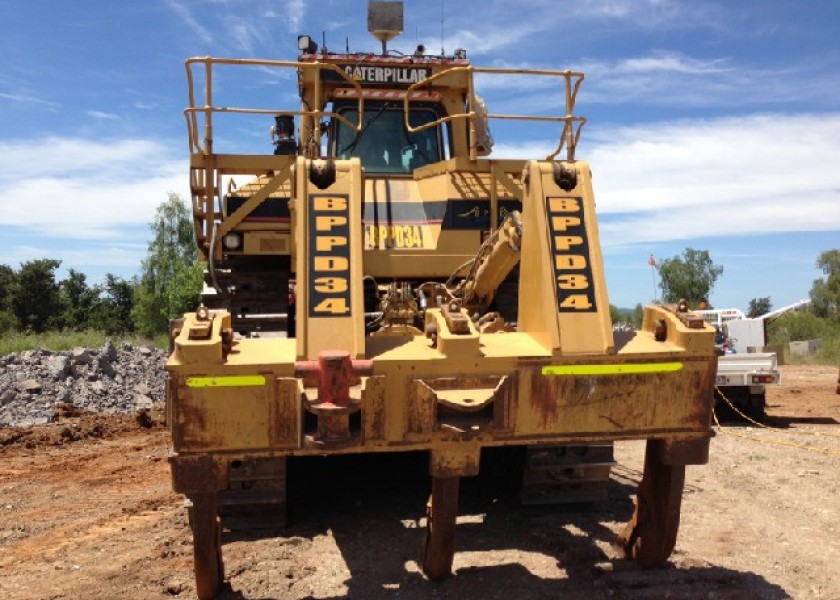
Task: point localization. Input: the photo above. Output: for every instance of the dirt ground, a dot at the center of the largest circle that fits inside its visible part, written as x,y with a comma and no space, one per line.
86,512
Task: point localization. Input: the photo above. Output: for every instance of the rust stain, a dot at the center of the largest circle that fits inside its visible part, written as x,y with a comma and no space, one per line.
505,404
187,416
192,431
623,402
545,392
373,408
197,474
284,413
702,386
421,409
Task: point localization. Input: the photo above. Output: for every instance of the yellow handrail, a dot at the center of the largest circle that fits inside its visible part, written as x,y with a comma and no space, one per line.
569,137
192,111
572,125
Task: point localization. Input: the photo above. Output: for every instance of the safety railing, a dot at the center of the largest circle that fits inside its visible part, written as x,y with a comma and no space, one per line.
198,115
572,125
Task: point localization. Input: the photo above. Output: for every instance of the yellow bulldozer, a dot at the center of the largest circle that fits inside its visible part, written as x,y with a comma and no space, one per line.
376,283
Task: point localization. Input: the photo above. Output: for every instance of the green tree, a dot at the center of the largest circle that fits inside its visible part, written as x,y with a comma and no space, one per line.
638,315
171,278
691,276
79,299
113,310
627,316
759,306
825,293
37,298
8,283
796,326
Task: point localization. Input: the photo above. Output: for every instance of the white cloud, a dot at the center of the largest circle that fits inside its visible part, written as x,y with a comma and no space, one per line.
674,79
295,12
250,26
93,256
98,114
718,162
653,183
646,14
83,189
727,177
723,177
663,79
71,155
190,21
508,28
673,62
246,35
536,150
29,99
491,40
335,25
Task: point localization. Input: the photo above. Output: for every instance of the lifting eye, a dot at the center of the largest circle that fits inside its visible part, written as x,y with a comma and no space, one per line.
660,334
565,177
322,173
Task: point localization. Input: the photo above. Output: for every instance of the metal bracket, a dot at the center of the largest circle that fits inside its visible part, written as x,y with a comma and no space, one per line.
565,176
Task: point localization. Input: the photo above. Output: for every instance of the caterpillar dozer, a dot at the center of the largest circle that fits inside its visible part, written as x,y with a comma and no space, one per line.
380,285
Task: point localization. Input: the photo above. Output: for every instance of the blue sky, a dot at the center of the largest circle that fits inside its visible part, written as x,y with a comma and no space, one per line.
712,125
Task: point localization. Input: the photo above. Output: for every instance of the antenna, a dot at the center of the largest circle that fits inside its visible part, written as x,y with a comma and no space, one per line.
442,51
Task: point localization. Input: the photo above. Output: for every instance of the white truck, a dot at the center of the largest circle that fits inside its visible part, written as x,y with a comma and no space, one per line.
744,370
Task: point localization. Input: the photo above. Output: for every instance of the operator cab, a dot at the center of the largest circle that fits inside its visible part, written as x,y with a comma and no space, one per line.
384,144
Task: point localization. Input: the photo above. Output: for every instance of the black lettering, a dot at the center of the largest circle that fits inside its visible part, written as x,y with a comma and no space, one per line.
329,255
570,250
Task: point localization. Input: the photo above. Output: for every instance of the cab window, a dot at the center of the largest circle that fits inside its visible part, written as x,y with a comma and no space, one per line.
384,145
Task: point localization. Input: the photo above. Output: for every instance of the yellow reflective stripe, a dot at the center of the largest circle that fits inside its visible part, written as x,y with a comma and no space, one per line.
226,381
625,369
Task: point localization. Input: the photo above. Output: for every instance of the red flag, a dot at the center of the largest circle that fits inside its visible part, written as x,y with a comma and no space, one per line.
652,261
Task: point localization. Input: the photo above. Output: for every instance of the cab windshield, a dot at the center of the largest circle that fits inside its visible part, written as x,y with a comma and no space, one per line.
384,145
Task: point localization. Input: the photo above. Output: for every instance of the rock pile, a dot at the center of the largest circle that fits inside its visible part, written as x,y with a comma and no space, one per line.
37,383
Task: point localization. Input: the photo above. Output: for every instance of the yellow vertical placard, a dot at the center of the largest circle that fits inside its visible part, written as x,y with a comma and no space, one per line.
329,269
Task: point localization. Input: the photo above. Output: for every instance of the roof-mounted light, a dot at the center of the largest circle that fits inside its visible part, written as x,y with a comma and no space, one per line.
307,45
460,54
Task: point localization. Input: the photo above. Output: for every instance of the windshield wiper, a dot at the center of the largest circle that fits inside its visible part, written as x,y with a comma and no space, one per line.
355,142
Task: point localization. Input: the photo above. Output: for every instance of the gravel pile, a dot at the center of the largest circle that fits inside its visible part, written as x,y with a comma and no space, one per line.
35,384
